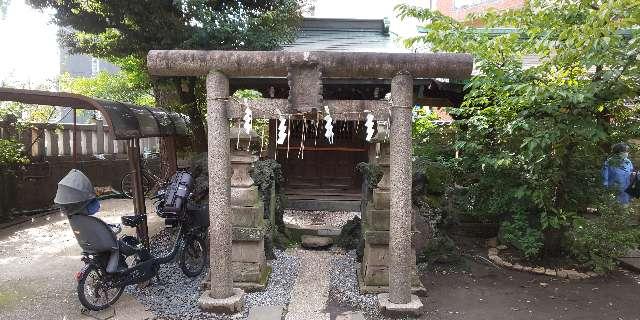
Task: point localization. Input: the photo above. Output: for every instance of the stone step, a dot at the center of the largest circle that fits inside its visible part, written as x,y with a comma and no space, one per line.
324,205
314,242
309,316
266,313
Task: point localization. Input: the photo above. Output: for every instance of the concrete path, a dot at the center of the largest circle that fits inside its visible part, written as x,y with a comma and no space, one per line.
38,260
311,291
632,259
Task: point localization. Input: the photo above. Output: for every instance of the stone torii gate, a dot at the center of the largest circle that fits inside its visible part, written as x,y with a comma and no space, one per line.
305,71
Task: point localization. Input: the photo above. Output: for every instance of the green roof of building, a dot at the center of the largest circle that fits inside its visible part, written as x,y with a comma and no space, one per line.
345,35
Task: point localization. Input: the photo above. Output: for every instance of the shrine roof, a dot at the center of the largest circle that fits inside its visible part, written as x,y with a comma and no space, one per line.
346,35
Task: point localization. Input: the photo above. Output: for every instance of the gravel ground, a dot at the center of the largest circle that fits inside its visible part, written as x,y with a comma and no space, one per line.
344,293
344,286
176,295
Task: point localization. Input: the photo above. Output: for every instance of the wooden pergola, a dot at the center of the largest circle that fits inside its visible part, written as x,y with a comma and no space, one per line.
126,121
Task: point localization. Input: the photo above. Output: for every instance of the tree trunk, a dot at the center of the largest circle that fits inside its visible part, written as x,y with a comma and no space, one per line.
553,236
187,90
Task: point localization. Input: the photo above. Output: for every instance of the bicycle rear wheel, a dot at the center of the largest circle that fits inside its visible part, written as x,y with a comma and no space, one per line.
126,185
193,257
95,289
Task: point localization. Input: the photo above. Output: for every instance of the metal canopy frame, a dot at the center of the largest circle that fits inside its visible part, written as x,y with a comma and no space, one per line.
127,122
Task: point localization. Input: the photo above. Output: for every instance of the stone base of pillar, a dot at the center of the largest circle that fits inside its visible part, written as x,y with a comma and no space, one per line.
416,288
391,309
246,286
250,269
373,276
230,305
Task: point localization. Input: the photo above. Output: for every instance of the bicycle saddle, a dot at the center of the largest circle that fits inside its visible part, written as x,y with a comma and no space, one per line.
133,221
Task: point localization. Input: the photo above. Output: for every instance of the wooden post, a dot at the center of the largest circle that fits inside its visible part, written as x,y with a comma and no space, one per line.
76,139
138,194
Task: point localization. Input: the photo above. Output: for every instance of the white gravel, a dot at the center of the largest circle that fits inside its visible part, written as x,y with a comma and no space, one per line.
176,295
344,286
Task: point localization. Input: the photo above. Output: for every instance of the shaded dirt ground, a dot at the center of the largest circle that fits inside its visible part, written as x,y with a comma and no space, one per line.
486,292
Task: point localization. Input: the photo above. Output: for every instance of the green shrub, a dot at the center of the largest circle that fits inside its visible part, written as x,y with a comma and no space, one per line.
350,235
12,153
439,250
598,241
371,173
520,234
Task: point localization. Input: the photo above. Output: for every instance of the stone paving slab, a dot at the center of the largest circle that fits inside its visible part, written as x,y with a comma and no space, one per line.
266,313
632,259
350,316
311,290
127,308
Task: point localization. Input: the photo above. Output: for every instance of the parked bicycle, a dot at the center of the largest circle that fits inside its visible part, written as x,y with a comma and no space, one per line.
111,264
152,180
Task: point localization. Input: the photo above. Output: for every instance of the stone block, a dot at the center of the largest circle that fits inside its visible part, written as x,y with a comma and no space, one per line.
376,237
375,255
376,275
309,241
230,305
248,251
381,199
305,87
247,216
351,315
573,275
538,270
247,234
378,219
245,197
399,310
266,313
246,271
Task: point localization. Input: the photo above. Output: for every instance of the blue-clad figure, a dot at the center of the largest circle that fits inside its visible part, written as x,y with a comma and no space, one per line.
617,172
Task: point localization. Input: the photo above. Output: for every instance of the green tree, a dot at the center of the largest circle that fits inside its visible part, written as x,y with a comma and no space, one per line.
118,87
123,29
533,138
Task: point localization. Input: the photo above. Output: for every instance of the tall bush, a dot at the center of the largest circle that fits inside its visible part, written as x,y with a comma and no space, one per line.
532,139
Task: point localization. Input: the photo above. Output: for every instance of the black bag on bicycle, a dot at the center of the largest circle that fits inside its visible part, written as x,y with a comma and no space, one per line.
177,192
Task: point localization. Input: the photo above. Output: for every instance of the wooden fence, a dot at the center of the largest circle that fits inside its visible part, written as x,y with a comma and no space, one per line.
47,141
